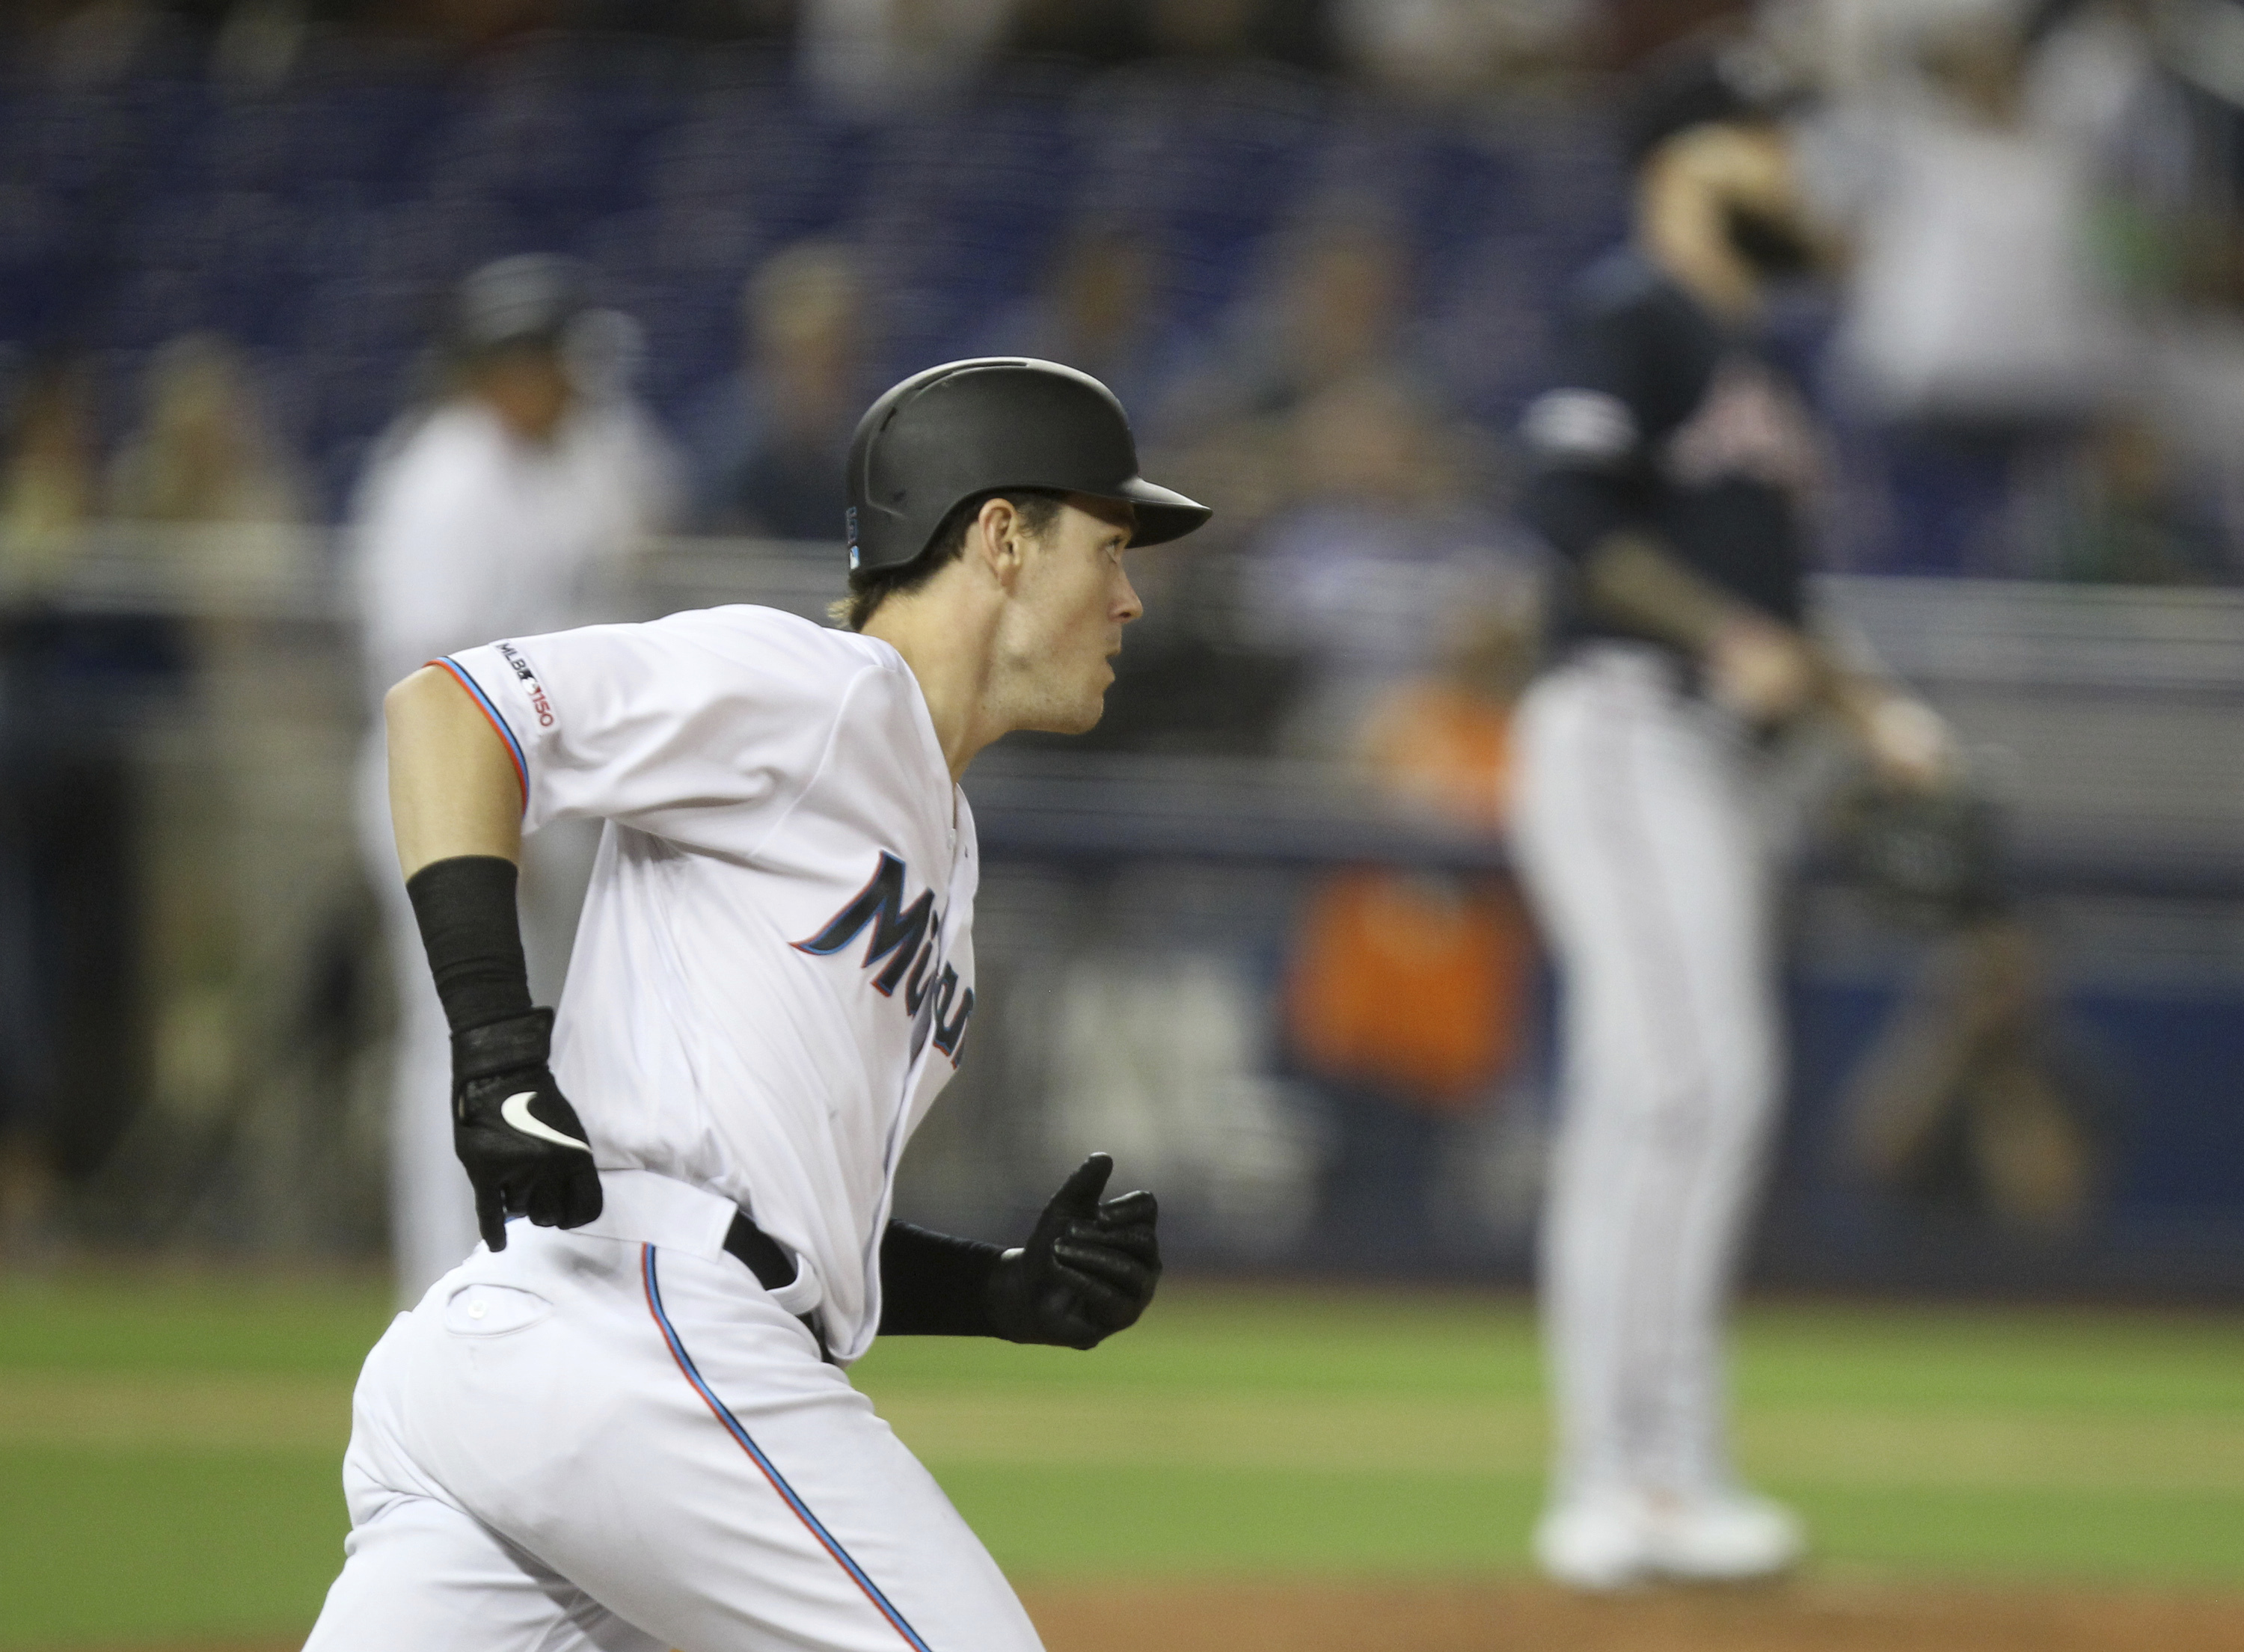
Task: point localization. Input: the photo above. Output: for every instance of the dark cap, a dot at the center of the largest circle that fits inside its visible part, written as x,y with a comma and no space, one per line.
529,298
1703,85
967,427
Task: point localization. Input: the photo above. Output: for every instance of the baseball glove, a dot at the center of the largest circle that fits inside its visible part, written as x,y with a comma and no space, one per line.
1929,861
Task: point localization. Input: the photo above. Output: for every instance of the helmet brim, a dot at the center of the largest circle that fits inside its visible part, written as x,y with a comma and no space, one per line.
1163,513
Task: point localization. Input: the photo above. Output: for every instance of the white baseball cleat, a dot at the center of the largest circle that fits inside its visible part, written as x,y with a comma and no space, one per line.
1727,1537
1597,1542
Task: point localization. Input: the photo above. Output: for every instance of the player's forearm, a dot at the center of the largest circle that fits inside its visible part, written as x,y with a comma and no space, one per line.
1858,685
934,1284
453,788
1856,697
1908,742
456,803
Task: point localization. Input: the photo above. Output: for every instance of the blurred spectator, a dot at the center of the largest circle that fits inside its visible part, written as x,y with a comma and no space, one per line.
1439,51
1635,31
1337,309
2126,513
1381,544
30,1086
872,56
1334,310
202,452
1296,32
2189,474
1406,991
30,1090
505,510
1093,31
48,488
100,42
479,23
219,953
64,872
1979,330
1975,297
2184,225
259,43
1094,310
766,443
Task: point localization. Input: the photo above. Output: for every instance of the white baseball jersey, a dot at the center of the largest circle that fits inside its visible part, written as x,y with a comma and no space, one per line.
774,973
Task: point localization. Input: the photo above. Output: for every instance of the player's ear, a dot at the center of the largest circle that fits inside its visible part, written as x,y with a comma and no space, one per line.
1000,539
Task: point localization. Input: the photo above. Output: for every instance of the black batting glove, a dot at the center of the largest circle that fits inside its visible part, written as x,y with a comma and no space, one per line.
1087,1271
524,1150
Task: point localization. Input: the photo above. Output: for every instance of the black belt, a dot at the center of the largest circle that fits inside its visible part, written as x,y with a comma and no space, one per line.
774,1268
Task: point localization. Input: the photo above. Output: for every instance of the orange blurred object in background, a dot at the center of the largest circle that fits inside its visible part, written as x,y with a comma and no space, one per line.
1413,983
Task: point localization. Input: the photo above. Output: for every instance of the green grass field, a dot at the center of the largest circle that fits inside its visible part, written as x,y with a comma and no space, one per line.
169,1449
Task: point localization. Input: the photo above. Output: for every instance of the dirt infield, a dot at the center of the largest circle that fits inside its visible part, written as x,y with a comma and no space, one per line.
1820,1616
1519,1617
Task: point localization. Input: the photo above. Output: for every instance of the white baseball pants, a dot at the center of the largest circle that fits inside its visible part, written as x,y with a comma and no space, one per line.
1640,835
615,1439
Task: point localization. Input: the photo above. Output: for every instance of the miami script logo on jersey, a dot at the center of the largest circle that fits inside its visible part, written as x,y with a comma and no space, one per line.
906,941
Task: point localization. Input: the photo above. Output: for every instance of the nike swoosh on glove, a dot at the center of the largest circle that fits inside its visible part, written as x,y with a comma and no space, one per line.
1088,1270
525,1152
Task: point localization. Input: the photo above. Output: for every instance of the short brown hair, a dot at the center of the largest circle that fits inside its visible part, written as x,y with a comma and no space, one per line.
1038,508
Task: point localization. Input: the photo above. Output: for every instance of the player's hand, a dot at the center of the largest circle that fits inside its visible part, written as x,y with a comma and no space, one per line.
1086,1273
524,1150
1911,744
1761,670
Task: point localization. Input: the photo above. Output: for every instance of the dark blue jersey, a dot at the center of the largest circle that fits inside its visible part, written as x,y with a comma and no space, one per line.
1667,423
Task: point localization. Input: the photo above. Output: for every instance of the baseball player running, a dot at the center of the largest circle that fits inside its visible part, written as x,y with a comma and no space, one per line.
624,1423
1670,470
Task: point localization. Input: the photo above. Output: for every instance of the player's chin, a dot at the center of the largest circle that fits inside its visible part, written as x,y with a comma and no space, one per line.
1085,719
1078,715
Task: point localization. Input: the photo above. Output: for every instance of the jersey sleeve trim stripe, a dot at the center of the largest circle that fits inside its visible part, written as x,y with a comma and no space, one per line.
484,702
755,1454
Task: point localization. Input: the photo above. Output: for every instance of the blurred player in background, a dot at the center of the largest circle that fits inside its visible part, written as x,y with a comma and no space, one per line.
506,507
1672,469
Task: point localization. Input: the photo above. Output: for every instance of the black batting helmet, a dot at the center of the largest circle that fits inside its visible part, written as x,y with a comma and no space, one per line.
966,427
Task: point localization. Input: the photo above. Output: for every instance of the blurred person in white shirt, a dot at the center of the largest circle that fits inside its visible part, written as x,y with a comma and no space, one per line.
1977,295
1982,331
508,506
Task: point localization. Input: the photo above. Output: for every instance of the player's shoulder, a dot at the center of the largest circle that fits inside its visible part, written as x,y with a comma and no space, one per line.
771,641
